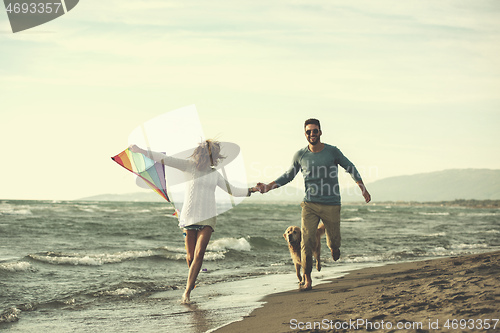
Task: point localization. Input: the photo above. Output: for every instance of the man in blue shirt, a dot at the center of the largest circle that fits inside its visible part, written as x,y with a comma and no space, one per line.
318,163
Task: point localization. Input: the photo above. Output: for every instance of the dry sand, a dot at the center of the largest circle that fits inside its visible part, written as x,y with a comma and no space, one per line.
457,294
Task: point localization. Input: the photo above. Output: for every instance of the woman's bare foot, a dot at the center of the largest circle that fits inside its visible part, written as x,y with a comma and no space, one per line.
185,298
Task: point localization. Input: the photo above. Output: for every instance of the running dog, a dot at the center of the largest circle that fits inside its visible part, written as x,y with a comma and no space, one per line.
293,237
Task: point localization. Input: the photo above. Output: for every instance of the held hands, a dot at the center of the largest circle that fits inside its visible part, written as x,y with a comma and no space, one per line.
253,189
264,188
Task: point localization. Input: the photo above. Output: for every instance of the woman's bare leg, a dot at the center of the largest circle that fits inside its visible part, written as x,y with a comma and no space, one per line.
201,241
190,243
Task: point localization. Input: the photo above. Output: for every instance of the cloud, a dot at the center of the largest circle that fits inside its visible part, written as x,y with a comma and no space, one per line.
354,64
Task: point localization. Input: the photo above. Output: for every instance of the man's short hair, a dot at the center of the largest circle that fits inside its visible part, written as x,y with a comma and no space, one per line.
313,122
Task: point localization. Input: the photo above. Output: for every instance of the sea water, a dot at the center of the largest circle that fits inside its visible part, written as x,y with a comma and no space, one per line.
75,266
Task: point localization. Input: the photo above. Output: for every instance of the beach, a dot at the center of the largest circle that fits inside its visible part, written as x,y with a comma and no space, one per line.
455,294
78,266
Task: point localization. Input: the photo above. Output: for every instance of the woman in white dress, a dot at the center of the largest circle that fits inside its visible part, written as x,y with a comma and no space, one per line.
198,216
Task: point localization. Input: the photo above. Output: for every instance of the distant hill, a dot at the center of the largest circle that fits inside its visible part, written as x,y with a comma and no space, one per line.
136,196
285,194
447,185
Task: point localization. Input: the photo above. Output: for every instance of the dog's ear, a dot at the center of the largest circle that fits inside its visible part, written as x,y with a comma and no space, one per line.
284,235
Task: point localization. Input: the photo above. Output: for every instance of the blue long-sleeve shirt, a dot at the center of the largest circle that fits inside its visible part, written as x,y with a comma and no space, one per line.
320,171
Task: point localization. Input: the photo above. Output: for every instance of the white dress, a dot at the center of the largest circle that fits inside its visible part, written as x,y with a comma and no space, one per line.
199,199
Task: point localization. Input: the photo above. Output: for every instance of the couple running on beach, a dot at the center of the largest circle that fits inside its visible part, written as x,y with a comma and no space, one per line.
318,163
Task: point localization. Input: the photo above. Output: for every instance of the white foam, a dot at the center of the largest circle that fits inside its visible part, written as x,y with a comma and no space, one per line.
478,214
469,246
122,292
174,249
213,256
438,250
353,219
434,214
7,209
90,259
365,259
21,266
177,253
173,253
437,234
10,316
240,244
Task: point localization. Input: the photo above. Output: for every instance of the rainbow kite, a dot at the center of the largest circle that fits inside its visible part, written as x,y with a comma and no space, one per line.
151,172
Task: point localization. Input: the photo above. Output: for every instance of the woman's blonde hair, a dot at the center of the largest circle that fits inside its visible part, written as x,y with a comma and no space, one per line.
207,154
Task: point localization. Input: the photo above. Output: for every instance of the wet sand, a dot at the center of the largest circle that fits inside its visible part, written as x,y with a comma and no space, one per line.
457,294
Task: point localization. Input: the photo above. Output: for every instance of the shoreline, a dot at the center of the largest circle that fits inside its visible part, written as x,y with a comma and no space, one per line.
427,295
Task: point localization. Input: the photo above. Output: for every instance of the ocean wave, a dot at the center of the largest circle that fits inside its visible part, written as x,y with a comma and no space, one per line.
353,219
437,234
173,249
262,243
177,253
469,246
21,266
214,256
129,289
457,249
171,253
10,210
434,214
372,258
10,315
479,214
89,259
122,292
397,255
223,244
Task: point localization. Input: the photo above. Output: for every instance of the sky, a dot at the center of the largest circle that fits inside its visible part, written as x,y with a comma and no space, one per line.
401,87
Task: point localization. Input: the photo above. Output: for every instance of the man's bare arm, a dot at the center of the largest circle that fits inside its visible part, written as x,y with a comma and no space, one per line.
364,191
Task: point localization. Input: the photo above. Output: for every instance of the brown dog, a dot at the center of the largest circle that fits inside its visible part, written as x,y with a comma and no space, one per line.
293,237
